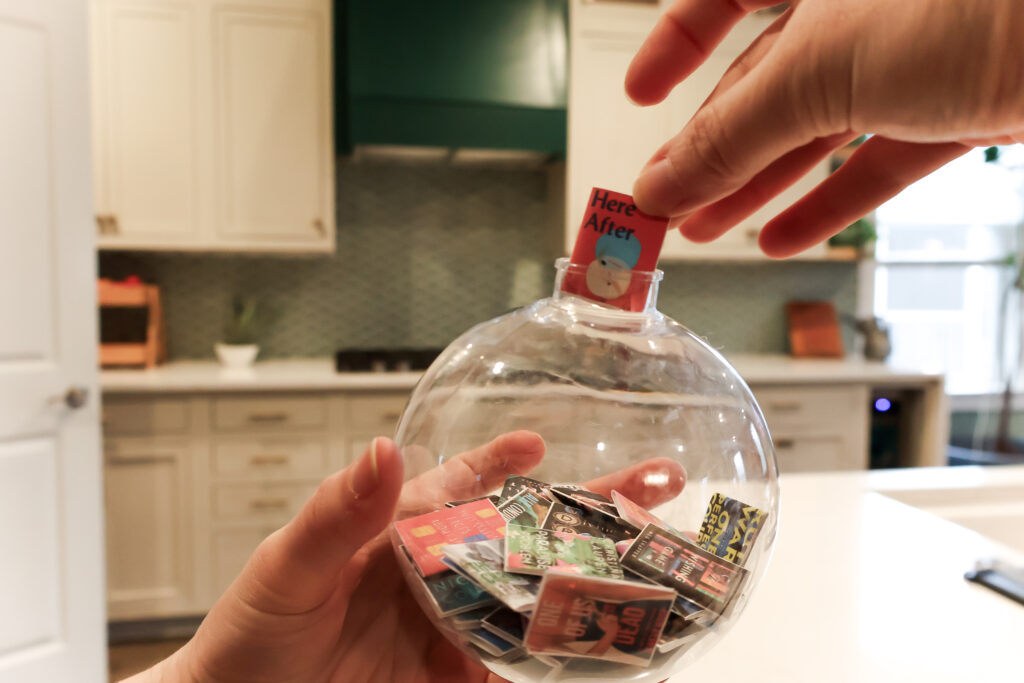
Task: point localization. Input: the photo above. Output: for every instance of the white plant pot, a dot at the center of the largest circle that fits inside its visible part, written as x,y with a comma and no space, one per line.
236,355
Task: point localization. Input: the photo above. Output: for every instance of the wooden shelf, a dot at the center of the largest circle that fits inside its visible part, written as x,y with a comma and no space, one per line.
121,295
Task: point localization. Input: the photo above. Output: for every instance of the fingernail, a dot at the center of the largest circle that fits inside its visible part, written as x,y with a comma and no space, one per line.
366,475
657,191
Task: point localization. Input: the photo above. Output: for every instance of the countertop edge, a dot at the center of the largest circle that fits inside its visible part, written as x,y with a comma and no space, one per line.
318,374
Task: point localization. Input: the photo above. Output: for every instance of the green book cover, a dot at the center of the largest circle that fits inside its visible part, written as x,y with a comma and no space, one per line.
535,551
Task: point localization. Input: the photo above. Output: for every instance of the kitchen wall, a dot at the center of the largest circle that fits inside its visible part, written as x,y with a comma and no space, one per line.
424,252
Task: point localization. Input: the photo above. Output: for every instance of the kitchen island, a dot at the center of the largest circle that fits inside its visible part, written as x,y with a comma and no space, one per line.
865,589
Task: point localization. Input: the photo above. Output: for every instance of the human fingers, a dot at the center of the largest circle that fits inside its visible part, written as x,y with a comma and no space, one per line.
751,56
877,171
680,41
714,220
739,68
295,568
771,111
649,483
475,472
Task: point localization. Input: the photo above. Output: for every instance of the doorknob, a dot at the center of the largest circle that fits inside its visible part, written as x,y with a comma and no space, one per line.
74,397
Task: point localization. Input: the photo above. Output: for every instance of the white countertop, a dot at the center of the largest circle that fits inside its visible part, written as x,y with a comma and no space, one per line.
318,374
864,589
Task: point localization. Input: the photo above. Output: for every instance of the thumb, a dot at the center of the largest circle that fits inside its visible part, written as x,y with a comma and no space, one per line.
734,136
297,567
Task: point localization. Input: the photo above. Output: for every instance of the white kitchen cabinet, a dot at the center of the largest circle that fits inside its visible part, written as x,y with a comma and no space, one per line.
147,140
213,125
817,429
230,549
610,139
149,527
273,126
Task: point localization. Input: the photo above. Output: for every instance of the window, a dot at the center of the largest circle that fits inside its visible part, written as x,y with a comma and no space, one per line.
942,281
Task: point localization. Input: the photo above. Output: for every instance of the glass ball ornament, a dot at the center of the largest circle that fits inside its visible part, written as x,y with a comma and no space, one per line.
602,398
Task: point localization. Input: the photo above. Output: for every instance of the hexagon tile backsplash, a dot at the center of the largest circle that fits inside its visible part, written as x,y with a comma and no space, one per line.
425,252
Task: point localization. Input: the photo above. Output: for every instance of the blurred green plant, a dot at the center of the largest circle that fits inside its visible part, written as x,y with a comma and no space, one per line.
857,234
245,324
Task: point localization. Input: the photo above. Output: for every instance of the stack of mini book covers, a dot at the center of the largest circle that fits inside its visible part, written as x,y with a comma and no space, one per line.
556,571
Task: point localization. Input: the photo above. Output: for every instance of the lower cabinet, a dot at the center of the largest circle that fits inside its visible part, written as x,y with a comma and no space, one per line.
230,549
150,531
194,482
817,429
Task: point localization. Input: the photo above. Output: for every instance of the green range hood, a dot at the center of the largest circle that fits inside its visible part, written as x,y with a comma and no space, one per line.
485,74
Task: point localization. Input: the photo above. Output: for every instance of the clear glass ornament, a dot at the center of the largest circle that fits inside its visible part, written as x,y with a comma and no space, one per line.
607,390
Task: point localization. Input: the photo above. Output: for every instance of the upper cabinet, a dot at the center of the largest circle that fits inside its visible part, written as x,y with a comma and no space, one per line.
450,73
610,139
213,125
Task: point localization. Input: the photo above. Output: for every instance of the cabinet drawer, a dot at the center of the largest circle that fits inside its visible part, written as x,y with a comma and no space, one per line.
145,416
231,550
814,454
376,414
272,412
813,407
260,501
270,457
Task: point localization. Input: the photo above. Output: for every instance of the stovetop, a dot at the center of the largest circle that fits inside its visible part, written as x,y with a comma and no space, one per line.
384,360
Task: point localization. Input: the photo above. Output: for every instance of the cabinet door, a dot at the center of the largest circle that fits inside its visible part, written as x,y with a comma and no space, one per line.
272,128
146,116
149,538
741,241
610,138
231,549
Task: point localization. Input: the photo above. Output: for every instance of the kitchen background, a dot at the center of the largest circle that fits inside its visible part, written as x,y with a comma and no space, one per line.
385,174
425,251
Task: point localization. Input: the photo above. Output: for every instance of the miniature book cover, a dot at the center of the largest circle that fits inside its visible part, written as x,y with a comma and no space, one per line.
535,551
505,624
489,642
474,618
457,503
575,520
453,593
580,616
484,563
424,536
730,528
670,560
516,484
525,508
615,239
580,497
635,514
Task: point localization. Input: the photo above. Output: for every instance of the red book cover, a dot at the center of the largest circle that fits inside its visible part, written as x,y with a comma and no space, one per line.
615,239
580,616
424,536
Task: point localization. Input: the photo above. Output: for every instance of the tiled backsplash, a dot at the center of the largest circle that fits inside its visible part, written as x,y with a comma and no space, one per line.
424,252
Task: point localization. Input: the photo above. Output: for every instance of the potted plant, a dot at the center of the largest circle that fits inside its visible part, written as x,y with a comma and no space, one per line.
239,348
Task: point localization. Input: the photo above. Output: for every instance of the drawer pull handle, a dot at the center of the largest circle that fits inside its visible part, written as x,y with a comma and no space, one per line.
145,459
784,444
268,417
269,459
392,416
269,504
785,406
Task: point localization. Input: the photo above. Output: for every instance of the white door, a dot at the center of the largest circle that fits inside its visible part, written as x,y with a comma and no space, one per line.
51,581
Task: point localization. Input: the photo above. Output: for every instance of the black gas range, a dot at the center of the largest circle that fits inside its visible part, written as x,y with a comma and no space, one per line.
384,360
